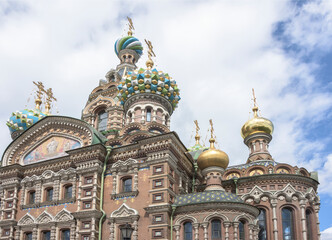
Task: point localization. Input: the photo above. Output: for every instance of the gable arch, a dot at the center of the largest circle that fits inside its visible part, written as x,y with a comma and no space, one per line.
185,218
27,219
216,215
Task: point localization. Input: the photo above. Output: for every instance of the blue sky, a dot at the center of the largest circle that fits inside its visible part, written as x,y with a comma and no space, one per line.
215,50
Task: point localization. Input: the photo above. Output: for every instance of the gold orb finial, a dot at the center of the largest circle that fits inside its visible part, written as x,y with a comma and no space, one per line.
149,62
212,157
257,124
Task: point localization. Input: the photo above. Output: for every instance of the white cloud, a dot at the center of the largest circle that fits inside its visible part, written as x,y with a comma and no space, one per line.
327,234
216,50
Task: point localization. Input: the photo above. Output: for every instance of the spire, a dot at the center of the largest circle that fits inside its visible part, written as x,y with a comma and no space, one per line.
39,94
131,26
197,137
49,100
255,108
149,62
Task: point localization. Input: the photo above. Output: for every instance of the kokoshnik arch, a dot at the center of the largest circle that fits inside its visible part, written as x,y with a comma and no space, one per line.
119,173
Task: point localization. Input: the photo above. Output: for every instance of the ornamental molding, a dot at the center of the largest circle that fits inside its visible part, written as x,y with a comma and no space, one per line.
124,212
289,193
128,162
186,217
49,174
216,215
63,216
96,103
27,219
40,131
44,218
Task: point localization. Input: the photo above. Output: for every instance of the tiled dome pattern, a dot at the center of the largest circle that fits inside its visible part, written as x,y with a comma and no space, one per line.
21,120
206,197
149,81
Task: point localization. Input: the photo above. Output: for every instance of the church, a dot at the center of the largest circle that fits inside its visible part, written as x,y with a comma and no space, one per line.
120,173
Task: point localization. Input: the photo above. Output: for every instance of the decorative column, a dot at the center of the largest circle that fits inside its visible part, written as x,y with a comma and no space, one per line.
316,208
205,227
93,227
53,233
135,188
79,193
133,117
112,230
274,202
56,192
72,231
303,218
177,232
135,232
196,225
143,115
251,226
236,226
34,233
154,115
114,175
227,225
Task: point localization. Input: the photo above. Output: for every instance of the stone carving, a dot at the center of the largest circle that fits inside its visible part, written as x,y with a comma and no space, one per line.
63,216
44,217
124,211
27,219
128,162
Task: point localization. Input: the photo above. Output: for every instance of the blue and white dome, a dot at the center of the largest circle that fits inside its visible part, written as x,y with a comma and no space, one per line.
128,42
22,120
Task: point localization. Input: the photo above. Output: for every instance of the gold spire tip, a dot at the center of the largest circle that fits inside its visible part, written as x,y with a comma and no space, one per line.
39,93
197,137
149,62
255,108
131,26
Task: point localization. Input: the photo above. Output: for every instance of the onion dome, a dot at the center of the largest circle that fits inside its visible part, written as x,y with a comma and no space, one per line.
22,120
212,157
129,43
149,81
257,125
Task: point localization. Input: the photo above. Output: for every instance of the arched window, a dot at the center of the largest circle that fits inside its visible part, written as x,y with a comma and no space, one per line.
262,225
216,229
148,115
28,236
127,185
65,234
188,231
102,120
287,224
32,197
242,233
68,192
308,216
49,194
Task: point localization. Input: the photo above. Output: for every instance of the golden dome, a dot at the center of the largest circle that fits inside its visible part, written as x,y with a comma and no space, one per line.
256,125
212,158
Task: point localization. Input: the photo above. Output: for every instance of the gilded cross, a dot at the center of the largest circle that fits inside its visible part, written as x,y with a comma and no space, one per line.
131,26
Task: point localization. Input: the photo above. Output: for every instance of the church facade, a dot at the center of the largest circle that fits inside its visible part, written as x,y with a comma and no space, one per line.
120,173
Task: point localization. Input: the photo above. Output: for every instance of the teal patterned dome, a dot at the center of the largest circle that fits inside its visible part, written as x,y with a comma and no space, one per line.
149,81
128,42
196,150
206,197
22,120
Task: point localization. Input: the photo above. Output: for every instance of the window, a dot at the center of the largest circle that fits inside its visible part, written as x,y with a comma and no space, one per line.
158,183
157,197
46,235
49,194
32,197
158,169
262,225
88,192
216,229
287,224
9,204
86,237
242,234
188,231
102,120
10,194
157,218
8,215
157,233
6,232
148,115
68,192
86,225
28,236
87,205
308,217
88,180
65,234
171,186
127,182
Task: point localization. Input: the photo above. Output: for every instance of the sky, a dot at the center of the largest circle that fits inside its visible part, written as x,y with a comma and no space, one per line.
217,51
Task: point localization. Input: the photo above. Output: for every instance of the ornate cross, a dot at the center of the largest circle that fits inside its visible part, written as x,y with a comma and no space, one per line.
131,26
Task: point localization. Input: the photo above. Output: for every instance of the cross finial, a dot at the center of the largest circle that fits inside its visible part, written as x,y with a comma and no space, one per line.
39,93
149,63
212,140
131,26
49,99
255,108
197,137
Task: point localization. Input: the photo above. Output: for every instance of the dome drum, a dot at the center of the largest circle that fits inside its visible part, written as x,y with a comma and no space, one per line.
258,135
128,56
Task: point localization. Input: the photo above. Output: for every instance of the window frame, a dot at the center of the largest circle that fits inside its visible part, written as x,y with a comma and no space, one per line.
264,219
159,181
242,232
219,237
43,236
291,223
65,191
185,231
62,231
47,194
32,196
99,119
154,200
155,172
123,182
88,178
85,203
